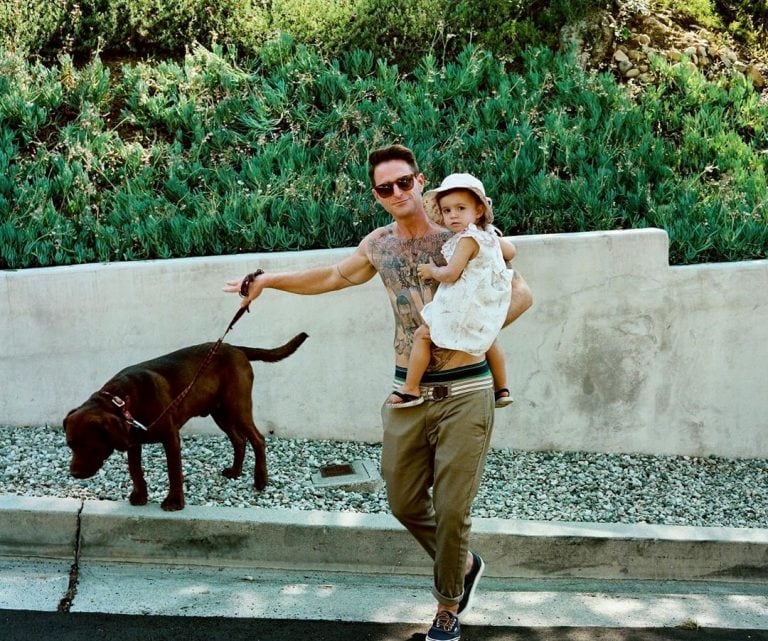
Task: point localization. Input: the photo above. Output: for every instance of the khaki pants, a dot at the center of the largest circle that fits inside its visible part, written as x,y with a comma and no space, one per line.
443,445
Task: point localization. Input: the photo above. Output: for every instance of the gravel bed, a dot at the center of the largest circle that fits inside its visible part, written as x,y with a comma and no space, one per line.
547,486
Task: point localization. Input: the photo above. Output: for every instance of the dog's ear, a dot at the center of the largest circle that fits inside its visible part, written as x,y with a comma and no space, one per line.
118,432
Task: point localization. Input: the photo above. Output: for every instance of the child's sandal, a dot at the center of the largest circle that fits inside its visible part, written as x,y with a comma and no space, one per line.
408,400
503,397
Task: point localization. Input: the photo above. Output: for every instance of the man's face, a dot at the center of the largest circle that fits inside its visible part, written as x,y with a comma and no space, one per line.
403,201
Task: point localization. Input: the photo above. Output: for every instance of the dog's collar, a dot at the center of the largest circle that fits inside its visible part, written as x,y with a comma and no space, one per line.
122,405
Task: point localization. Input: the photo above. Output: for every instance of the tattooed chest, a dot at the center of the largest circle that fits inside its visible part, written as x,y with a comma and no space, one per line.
397,260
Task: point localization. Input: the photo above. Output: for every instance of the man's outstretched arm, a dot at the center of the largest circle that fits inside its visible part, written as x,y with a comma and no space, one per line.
353,270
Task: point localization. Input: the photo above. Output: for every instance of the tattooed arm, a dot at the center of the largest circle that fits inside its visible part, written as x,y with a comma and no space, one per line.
353,270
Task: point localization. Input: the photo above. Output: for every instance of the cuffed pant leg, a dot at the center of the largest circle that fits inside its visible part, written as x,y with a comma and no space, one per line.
462,428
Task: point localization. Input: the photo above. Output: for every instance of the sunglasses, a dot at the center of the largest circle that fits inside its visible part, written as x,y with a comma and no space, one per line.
404,183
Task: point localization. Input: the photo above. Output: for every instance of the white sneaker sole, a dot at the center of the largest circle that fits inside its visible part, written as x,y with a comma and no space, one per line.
473,589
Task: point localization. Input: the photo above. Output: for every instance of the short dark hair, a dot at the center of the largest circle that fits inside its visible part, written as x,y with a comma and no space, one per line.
392,152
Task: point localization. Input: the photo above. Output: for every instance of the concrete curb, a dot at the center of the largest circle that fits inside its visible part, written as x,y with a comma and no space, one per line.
38,526
111,531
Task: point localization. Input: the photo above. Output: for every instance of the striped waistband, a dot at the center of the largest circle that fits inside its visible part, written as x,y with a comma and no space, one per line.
450,382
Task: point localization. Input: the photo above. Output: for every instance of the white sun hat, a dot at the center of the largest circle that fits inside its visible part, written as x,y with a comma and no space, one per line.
458,181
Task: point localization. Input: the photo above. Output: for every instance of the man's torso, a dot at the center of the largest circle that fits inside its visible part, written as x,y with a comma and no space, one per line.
396,260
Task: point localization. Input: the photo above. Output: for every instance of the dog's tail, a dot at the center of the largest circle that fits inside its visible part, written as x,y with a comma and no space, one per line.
276,353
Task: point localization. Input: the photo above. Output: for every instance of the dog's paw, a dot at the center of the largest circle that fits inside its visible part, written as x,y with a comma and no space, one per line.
138,498
231,473
260,476
172,504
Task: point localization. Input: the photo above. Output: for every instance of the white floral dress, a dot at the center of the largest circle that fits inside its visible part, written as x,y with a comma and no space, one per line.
468,314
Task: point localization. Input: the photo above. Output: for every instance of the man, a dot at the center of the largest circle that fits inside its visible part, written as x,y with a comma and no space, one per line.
442,443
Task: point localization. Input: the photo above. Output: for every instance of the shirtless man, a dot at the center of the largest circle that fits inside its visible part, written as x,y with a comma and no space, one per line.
442,443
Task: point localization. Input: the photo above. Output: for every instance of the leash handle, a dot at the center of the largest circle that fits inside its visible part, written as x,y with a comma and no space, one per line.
246,284
244,287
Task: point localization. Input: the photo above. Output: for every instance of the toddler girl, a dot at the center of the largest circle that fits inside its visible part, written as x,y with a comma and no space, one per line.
470,305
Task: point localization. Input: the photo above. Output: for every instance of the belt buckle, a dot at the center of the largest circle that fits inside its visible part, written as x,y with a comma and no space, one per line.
439,392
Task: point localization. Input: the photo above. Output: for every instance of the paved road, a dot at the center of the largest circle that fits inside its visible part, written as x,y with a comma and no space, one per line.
28,625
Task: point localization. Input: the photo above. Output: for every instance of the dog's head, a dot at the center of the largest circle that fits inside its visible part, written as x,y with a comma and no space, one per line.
93,432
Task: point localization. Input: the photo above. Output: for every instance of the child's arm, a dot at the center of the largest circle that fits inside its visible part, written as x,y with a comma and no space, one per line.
466,250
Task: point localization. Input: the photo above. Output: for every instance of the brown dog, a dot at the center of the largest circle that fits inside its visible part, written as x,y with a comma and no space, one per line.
114,418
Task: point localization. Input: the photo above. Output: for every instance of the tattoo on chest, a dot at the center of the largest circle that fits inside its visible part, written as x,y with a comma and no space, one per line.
396,261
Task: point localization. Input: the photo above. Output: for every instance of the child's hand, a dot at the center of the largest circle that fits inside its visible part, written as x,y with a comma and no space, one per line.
426,270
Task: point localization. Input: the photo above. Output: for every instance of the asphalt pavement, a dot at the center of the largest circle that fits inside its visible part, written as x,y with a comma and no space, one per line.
20,625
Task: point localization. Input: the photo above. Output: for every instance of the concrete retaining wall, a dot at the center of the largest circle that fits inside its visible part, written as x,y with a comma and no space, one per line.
620,353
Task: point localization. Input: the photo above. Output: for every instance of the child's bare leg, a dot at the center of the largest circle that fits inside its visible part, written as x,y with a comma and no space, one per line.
498,366
418,362
421,352
499,371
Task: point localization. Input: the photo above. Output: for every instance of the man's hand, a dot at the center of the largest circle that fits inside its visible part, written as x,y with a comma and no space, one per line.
249,287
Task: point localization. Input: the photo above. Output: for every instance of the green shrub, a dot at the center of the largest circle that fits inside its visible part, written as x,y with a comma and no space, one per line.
317,22
82,27
219,154
399,31
702,12
747,19
29,25
174,26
